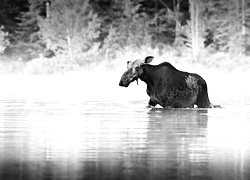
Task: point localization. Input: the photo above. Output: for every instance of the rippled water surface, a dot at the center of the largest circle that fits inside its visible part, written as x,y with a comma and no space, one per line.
54,128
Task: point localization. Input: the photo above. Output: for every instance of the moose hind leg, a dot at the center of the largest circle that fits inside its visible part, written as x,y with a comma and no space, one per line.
203,99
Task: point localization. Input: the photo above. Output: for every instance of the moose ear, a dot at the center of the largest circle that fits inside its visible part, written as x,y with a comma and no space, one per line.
129,64
148,59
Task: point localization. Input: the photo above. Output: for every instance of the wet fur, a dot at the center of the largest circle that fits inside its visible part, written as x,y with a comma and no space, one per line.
172,88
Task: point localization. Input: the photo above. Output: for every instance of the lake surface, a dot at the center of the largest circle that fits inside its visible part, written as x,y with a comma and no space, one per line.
63,127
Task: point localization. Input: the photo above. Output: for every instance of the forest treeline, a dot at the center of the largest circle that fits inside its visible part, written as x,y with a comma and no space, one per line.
81,32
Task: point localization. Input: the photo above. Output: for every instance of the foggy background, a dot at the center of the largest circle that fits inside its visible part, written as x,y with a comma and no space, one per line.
59,36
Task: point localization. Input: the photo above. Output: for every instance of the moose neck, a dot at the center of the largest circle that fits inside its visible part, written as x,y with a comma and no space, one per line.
149,75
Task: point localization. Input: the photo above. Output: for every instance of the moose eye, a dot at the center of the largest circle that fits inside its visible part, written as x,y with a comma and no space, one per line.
137,69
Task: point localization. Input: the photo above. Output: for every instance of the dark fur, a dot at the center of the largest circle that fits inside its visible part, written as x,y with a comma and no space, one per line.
170,87
167,87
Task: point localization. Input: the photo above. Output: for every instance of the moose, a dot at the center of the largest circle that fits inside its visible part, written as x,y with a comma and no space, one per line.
167,86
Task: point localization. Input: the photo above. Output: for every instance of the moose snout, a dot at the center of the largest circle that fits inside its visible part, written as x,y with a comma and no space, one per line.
121,83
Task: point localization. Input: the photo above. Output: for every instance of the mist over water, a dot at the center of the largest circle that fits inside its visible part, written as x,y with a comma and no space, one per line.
84,126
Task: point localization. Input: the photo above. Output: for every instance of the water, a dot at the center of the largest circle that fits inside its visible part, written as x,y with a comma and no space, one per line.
99,134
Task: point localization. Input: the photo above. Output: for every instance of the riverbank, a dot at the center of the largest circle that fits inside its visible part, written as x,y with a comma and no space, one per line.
116,61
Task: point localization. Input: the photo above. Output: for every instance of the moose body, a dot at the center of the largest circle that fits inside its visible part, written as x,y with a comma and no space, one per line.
167,86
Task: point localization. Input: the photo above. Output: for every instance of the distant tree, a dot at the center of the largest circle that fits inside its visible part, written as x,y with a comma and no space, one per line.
71,28
169,20
177,18
9,10
27,38
128,27
194,30
244,13
162,18
228,22
4,42
246,24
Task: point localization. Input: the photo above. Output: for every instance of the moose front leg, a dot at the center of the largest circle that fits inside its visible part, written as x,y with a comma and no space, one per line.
151,104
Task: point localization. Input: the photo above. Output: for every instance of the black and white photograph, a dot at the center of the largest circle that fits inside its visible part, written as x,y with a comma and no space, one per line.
124,90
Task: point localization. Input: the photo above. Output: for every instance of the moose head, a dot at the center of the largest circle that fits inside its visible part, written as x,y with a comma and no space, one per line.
134,71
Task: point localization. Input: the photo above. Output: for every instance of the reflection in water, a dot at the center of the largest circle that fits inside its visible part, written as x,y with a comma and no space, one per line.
176,145
110,140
